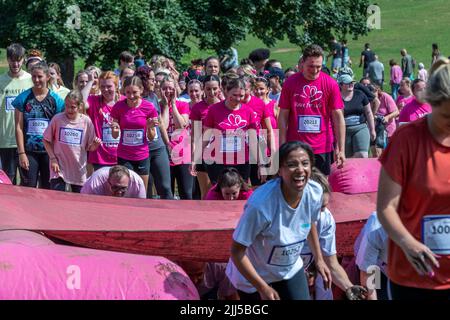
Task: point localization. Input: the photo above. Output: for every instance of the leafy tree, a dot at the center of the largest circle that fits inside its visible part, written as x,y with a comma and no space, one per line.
108,27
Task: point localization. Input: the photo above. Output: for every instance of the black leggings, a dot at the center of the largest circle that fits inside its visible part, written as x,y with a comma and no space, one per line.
160,174
184,179
295,288
39,167
214,170
399,292
9,161
60,185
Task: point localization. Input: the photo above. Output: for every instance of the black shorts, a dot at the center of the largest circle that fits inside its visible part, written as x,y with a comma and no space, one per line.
201,167
141,167
323,162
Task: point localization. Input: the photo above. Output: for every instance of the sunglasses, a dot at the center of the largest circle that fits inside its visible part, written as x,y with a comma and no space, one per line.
115,188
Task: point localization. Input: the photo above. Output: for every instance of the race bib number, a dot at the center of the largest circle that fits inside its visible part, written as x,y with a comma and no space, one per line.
436,233
70,136
37,126
8,104
107,136
286,255
309,124
133,138
231,144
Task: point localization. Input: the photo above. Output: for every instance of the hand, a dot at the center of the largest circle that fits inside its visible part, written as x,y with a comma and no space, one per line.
90,76
152,122
193,169
95,144
269,293
55,166
373,135
420,257
23,161
356,293
339,158
115,127
323,270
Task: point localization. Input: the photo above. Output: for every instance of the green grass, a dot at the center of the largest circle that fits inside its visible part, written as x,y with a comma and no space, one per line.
410,24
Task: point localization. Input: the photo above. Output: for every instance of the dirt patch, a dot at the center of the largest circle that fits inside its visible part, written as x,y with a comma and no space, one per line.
5,266
284,50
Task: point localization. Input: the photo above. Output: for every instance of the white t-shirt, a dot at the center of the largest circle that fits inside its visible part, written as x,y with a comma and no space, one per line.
373,242
274,233
326,229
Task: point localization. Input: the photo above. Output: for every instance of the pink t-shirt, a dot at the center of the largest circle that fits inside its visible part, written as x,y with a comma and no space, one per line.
179,138
70,140
387,106
402,102
133,129
232,145
199,111
99,112
270,111
413,111
214,194
396,74
259,109
311,104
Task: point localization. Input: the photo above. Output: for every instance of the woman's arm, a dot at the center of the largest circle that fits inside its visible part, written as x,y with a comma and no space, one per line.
322,269
23,159
370,121
181,121
245,267
419,255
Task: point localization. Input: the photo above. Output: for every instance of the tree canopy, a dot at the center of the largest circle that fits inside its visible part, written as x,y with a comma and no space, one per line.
108,27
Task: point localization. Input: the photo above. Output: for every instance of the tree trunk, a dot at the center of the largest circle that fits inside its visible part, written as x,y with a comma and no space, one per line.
68,71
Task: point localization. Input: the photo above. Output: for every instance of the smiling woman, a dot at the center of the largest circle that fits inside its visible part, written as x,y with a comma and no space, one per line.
278,218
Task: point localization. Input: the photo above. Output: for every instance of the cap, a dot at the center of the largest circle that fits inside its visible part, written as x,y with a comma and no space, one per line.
345,79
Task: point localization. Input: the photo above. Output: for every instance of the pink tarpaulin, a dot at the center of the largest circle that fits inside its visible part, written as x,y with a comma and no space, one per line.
191,230
33,267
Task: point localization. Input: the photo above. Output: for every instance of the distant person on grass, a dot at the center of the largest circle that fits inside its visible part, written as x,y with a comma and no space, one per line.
367,56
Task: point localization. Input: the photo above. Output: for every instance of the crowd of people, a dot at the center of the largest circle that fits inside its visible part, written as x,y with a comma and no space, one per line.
215,131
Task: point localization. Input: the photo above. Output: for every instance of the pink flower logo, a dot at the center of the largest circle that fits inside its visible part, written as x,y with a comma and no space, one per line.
185,74
311,93
234,122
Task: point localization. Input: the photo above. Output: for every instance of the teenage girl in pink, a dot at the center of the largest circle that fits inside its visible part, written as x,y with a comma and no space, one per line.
198,114
134,119
230,186
417,108
99,111
234,123
175,118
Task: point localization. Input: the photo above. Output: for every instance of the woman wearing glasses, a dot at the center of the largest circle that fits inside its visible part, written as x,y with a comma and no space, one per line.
277,221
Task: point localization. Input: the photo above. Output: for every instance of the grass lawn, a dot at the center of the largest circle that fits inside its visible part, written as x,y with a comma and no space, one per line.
410,24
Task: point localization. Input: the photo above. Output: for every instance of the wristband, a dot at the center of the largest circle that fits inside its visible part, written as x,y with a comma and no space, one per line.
19,153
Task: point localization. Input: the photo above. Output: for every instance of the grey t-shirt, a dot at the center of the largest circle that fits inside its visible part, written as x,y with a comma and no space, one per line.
157,142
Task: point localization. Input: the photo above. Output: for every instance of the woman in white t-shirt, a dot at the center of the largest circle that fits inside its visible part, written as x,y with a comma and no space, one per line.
277,221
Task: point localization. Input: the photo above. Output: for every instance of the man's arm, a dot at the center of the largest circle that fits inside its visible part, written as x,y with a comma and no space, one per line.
339,131
283,120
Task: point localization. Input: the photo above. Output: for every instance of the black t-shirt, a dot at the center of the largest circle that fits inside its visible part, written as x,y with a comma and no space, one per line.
369,56
355,107
370,96
338,49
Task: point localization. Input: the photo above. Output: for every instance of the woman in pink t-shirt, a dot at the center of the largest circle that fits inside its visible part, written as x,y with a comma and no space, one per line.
384,120
198,114
417,108
67,139
230,186
134,119
263,121
235,128
99,111
175,118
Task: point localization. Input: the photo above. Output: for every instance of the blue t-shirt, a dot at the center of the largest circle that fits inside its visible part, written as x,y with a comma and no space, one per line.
157,142
37,116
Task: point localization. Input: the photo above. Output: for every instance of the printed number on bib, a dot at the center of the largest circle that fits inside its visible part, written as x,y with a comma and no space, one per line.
309,124
436,233
107,135
37,126
286,255
133,137
8,104
70,136
231,144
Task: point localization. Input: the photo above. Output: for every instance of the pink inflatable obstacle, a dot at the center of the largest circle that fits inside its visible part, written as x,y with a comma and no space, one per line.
33,267
357,176
4,179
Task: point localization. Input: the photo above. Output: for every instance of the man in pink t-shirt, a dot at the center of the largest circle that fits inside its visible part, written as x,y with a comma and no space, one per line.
311,111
